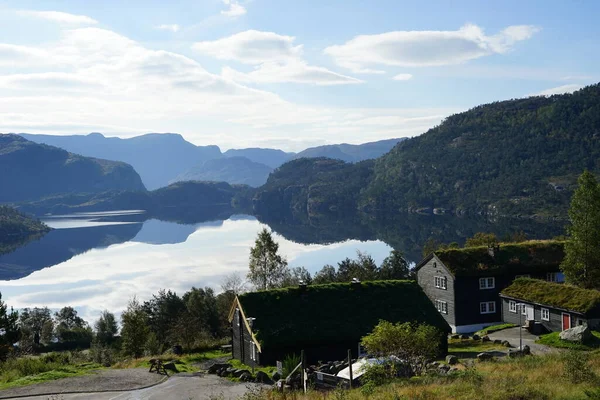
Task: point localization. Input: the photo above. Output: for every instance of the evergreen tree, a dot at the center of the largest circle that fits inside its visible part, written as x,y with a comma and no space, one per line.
394,266
267,267
581,264
31,323
327,274
106,328
134,329
9,329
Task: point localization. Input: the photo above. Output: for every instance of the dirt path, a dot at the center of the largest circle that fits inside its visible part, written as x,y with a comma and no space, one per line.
178,387
101,380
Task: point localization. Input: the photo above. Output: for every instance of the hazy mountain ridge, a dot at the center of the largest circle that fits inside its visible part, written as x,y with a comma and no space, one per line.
350,152
233,170
31,171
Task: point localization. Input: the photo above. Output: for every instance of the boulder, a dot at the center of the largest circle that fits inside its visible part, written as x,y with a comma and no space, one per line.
506,343
453,370
455,337
177,350
444,368
213,369
486,338
513,353
476,337
276,376
452,359
484,356
579,334
170,366
239,372
526,350
497,341
464,336
246,377
262,377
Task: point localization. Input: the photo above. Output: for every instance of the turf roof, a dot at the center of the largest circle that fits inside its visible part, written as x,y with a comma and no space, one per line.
337,312
555,294
517,258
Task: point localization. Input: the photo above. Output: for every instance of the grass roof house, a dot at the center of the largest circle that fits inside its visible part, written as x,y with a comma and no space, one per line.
323,320
556,306
465,284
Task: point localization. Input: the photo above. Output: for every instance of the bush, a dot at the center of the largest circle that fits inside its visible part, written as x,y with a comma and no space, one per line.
289,363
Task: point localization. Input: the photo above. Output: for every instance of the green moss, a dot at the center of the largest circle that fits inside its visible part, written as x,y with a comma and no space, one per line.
553,339
337,312
534,256
554,294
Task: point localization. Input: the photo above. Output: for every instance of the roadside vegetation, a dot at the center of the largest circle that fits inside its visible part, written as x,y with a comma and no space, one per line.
494,328
553,340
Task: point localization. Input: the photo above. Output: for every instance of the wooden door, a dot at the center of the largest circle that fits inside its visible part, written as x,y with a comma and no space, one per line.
529,313
566,321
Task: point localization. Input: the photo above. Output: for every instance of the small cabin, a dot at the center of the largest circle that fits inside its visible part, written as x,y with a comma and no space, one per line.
323,320
554,306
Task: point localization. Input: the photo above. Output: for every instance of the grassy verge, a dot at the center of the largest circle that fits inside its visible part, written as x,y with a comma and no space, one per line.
528,378
184,363
239,365
29,370
494,328
553,340
468,348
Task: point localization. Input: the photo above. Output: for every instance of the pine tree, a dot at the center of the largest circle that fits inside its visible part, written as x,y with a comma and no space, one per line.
267,268
9,329
134,329
394,266
581,264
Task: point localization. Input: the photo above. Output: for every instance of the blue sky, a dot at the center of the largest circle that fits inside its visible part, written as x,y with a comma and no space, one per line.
241,73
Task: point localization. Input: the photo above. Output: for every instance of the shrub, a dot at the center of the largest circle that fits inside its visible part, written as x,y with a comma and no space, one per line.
289,363
577,368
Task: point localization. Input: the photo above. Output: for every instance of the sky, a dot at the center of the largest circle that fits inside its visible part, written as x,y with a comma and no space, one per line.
282,74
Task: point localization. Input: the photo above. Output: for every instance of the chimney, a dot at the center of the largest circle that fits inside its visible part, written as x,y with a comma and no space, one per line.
355,283
302,286
493,250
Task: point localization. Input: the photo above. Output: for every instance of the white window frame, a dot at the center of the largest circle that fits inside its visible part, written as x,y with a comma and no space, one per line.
484,283
487,307
552,277
512,306
441,306
545,311
523,309
440,282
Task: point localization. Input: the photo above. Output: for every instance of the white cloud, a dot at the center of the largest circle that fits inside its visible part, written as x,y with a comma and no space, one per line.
251,47
426,48
235,9
59,17
402,77
295,71
93,79
276,56
169,27
559,90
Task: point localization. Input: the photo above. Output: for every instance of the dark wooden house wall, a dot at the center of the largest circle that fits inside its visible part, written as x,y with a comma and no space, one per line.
425,278
241,341
555,322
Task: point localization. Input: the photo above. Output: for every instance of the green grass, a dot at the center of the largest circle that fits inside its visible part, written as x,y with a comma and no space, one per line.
553,340
239,365
469,348
494,328
30,370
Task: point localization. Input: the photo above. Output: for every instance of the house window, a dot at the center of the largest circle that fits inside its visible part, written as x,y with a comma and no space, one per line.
441,306
523,309
487,283
440,282
555,277
487,307
512,306
545,314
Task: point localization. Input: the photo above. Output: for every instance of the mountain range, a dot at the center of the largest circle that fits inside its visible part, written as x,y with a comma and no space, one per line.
162,159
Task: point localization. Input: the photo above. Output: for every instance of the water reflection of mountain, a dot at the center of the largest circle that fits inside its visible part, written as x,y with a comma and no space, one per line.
60,245
404,232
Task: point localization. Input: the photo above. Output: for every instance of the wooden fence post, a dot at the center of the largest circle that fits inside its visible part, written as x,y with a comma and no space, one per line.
303,371
350,366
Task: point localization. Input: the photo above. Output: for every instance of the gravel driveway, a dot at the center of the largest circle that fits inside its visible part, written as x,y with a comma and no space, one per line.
512,335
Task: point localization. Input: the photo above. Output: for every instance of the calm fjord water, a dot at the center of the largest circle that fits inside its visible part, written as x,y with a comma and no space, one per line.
99,261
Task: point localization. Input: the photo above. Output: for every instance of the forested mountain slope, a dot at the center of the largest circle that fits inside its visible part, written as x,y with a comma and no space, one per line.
517,157
31,171
511,157
351,152
17,228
